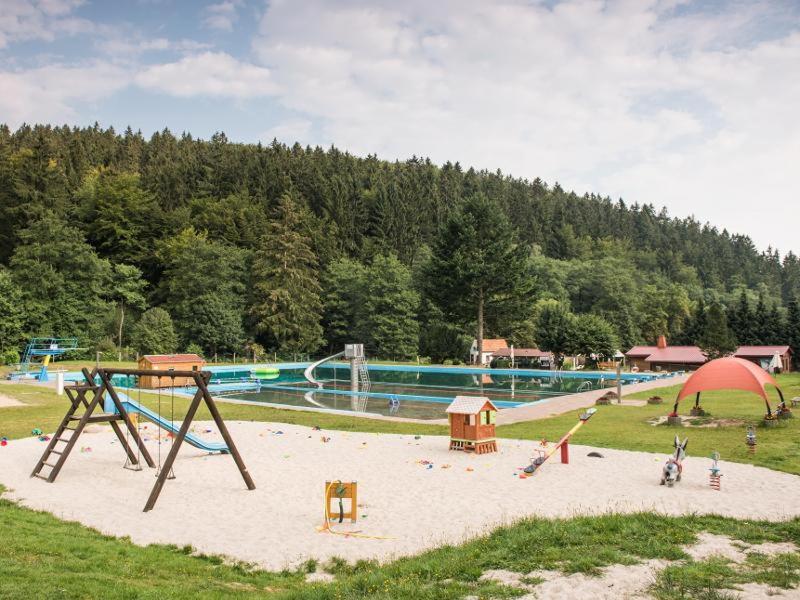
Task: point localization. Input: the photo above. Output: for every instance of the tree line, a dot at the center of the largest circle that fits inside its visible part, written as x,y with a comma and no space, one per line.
176,243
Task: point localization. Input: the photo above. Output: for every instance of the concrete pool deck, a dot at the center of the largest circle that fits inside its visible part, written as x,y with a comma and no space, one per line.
562,404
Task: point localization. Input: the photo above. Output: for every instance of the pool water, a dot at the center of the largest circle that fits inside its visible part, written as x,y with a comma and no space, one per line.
410,391
419,393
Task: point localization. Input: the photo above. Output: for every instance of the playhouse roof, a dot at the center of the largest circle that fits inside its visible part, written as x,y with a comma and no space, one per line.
156,359
726,374
761,351
469,405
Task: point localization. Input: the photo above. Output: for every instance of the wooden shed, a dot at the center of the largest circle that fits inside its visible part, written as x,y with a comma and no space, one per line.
472,422
176,362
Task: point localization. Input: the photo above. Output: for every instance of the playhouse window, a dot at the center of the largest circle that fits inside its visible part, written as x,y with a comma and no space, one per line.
472,419
487,418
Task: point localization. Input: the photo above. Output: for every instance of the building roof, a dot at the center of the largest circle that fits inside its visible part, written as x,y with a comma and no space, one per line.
493,345
468,405
157,359
524,353
671,354
640,351
761,351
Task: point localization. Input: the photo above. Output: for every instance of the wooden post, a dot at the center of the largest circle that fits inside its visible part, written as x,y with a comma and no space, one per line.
565,452
619,383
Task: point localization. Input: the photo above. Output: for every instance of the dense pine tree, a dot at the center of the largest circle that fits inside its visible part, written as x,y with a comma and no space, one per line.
286,289
476,264
716,339
189,214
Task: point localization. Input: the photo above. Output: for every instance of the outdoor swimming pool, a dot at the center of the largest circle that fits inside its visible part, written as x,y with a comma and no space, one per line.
410,391
418,392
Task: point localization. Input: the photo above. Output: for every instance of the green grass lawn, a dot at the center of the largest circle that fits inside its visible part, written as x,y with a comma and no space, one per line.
627,427
42,557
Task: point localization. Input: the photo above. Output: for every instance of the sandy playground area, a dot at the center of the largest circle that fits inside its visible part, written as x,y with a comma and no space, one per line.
414,492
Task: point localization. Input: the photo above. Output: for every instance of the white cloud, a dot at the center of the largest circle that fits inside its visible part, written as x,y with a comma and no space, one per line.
654,101
22,20
222,15
49,94
289,131
208,74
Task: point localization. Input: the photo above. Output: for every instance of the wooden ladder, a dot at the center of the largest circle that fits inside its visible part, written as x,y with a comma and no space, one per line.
55,456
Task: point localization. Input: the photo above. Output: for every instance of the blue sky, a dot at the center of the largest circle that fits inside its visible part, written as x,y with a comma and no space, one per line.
692,105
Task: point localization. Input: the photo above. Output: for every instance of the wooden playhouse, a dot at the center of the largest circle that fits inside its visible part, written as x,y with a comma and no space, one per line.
472,421
175,362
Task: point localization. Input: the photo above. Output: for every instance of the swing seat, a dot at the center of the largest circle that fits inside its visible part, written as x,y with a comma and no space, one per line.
101,418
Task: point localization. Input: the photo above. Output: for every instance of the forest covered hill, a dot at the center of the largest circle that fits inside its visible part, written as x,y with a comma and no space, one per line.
173,242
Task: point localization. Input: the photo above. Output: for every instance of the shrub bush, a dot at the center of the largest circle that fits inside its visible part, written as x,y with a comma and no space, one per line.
9,357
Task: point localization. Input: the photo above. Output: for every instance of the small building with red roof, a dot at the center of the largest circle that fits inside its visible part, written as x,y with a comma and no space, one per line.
662,357
490,347
764,356
526,356
167,362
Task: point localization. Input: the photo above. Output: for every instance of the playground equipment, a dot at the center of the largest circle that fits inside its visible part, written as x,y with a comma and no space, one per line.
562,445
74,423
359,374
715,475
472,420
38,354
750,439
725,374
341,491
671,473
151,363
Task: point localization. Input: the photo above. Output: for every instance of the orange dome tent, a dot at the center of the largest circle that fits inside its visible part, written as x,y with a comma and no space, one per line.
726,374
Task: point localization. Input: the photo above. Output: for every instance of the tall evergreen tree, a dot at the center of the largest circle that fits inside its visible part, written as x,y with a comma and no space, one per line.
476,264
344,284
743,322
792,336
716,339
12,318
287,304
390,308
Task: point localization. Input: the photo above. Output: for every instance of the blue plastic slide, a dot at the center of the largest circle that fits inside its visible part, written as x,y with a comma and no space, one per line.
134,407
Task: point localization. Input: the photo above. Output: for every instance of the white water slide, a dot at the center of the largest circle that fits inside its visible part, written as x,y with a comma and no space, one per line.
309,372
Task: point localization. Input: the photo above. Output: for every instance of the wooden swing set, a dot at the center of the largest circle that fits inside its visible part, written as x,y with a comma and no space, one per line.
56,455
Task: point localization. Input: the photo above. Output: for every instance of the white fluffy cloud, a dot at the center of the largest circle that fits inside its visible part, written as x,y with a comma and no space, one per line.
22,20
686,104
50,94
222,15
627,98
208,74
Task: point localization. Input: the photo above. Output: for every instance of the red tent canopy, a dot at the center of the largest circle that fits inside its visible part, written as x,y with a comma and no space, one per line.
726,374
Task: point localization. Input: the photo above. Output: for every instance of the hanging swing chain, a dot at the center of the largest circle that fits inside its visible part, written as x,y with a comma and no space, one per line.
158,429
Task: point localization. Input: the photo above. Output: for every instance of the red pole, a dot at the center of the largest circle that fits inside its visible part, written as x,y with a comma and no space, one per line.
565,452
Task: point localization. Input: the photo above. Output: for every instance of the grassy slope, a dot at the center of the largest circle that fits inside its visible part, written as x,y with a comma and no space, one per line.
46,558
627,427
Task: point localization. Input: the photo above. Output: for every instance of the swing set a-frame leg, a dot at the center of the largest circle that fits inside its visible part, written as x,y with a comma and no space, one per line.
202,394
